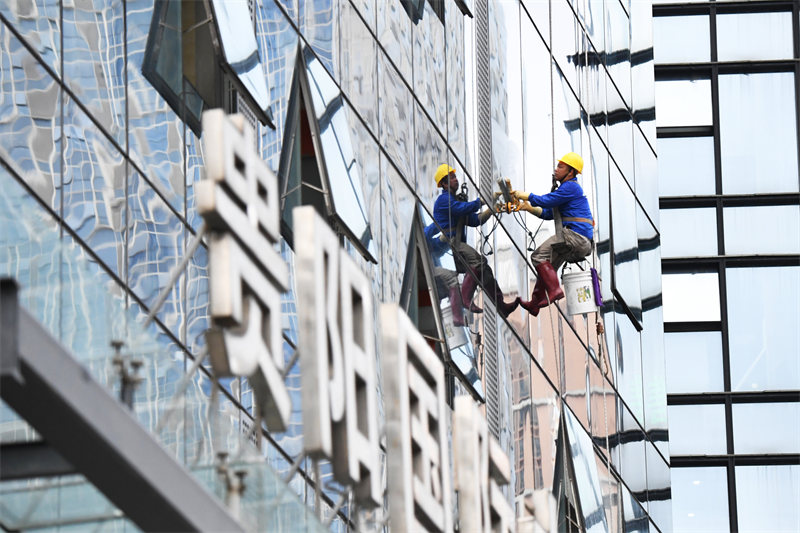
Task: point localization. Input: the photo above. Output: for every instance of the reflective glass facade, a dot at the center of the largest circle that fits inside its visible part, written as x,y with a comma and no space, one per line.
729,204
360,101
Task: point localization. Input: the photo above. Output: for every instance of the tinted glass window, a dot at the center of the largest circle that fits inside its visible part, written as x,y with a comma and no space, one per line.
683,103
700,351
758,133
701,290
683,39
686,166
697,429
767,496
700,499
751,230
753,421
688,232
764,337
749,36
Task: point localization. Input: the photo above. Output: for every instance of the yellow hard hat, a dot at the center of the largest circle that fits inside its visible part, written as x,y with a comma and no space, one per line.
574,160
443,170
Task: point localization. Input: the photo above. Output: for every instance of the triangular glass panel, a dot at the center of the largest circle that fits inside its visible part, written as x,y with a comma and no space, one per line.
431,295
318,163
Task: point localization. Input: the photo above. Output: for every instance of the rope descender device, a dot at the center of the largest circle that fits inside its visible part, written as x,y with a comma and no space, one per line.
509,204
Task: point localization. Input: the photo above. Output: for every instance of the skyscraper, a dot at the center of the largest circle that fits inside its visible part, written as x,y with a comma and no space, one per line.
727,117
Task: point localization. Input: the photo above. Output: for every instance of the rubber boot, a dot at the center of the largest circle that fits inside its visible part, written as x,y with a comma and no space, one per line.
538,299
456,308
503,308
468,291
550,279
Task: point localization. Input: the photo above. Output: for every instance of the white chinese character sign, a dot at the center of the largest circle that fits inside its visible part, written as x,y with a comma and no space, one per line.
238,201
481,468
416,428
337,357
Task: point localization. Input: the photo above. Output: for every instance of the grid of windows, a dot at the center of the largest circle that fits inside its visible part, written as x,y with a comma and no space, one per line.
727,125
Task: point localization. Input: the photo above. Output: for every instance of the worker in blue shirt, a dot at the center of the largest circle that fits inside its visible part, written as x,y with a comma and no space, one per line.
452,215
575,241
446,280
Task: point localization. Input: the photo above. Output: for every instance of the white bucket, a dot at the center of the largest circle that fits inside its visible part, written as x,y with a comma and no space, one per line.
580,292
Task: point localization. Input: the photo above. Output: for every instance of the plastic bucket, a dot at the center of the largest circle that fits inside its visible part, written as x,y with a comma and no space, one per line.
579,288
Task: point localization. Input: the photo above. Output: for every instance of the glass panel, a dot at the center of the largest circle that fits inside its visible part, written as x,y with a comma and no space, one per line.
342,169
359,66
642,70
459,93
757,121
766,498
539,12
397,204
536,113
762,320
396,110
394,33
620,133
94,61
700,499
702,352
701,289
429,64
686,166
752,422
155,244
697,429
751,230
38,22
155,133
659,493
236,31
683,39
30,119
586,476
618,48
566,46
689,232
634,515
431,152
625,244
319,23
752,36
683,103
94,188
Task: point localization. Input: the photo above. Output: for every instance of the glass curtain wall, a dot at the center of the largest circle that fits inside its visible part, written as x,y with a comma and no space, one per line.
363,101
727,120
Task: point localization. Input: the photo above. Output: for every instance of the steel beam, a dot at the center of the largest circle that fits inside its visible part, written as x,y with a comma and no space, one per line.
26,460
90,429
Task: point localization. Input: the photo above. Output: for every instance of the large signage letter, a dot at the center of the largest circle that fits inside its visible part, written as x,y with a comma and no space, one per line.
416,428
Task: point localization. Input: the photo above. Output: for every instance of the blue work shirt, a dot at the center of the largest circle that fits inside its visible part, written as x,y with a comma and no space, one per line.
437,246
447,210
571,202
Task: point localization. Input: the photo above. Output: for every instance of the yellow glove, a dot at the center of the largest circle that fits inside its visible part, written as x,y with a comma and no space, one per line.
484,215
520,195
532,209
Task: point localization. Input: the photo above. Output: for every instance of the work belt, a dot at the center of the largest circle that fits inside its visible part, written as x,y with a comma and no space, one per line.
577,219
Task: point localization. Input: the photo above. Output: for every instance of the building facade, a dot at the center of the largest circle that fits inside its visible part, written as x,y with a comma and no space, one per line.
355,104
727,99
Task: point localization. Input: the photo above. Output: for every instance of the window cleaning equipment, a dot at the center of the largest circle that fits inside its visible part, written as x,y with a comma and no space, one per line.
581,291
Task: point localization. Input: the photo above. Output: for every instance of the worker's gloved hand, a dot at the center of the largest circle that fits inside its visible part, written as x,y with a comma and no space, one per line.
532,209
484,215
520,195
497,194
